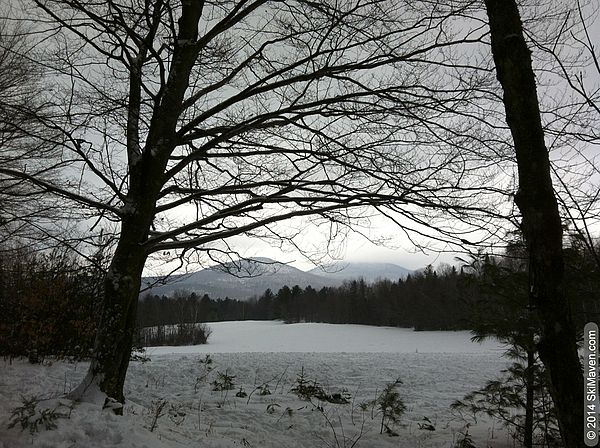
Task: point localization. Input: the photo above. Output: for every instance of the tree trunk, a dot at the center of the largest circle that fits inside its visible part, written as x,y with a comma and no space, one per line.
114,338
541,223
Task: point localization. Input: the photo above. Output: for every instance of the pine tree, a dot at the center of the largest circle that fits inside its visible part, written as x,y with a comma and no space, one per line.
502,311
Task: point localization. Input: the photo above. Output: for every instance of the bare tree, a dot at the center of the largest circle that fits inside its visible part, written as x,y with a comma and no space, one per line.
29,143
575,62
188,123
19,130
541,224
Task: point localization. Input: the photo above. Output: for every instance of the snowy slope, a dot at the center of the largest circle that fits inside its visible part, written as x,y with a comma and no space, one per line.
445,367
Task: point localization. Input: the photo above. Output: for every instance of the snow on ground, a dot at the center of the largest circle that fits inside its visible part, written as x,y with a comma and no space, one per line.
436,368
275,336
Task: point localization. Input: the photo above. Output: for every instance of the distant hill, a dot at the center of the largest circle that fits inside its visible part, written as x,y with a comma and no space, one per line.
369,271
246,278
240,280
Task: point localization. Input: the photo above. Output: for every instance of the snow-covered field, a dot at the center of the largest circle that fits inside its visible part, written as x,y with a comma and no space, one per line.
436,368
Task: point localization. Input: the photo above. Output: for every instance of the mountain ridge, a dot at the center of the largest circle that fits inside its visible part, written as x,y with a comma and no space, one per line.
369,271
245,278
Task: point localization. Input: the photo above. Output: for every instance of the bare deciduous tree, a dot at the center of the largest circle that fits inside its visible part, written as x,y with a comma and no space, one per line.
188,123
20,142
575,63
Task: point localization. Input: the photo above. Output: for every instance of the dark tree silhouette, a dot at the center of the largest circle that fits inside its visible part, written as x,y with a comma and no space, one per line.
24,139
541,224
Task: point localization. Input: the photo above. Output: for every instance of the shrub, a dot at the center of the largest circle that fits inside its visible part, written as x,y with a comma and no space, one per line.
181,334
49,304
155,412
503,399
309,389
264,390
391,407
465,440
241,393
30,416
224,381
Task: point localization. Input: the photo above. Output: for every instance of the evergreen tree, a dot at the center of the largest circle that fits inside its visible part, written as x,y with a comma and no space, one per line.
502,311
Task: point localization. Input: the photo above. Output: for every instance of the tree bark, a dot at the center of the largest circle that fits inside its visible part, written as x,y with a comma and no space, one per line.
112,346
541,223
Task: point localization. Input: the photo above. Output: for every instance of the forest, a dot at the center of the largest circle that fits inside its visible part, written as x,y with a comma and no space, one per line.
50,305
447,298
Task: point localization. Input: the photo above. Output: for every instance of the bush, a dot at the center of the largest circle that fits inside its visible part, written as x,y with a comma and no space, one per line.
223,382
32,417
391,407
181,334
504,400
309,389
49,304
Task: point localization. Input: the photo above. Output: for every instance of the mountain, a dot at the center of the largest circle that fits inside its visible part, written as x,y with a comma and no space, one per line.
343,270
243,279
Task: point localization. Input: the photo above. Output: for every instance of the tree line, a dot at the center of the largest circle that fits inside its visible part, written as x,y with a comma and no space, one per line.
49,303
425,301
448,298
